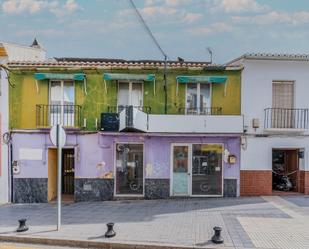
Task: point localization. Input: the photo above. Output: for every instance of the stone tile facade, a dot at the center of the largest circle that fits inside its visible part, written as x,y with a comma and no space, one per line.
30,190
88,189
157,188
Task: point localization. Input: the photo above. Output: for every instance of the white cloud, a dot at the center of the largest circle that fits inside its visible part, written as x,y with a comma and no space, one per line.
35,6
168,2
275,17
230,6
19,6
217,27
192,17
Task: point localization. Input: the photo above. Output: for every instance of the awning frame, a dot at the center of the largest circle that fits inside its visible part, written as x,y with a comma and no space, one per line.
201,79
129,78
58,76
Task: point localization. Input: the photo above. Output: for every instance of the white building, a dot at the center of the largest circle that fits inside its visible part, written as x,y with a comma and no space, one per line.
275,107
11,52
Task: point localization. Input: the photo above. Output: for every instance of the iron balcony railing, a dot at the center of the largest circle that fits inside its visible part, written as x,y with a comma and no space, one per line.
282,118
200,111
119,108
67,115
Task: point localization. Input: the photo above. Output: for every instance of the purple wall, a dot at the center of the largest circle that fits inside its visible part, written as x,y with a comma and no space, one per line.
95,154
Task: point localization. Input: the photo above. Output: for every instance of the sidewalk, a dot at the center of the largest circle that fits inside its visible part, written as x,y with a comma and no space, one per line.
270,222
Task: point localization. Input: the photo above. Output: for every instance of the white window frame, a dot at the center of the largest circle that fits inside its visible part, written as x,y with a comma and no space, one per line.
130,91
198,92
62,99
62,90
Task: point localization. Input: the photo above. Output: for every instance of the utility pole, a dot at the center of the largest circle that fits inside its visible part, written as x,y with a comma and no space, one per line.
158,46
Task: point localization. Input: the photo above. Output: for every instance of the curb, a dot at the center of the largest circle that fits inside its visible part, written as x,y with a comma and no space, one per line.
88,244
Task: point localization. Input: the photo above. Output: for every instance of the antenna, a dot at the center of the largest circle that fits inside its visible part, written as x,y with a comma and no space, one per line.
210,53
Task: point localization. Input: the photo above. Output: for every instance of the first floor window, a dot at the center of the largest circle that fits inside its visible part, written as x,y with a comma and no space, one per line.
61,102
129,169
130,93
198,99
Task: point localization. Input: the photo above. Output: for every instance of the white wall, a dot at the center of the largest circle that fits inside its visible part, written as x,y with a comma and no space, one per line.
258,154
18,52
4,147
257,77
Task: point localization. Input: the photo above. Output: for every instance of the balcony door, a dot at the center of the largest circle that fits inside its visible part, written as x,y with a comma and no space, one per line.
130,93
198,98
61,102
283,104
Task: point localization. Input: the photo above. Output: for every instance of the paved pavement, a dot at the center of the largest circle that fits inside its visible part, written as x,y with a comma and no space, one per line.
5,245
268,222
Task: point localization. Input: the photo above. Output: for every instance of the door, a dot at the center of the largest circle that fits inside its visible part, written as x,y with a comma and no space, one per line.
61,100
68,171
52,174
283,104
207,173
180,170
130,93
198,99
129,169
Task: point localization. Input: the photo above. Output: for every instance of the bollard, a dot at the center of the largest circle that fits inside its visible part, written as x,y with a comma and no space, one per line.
22,226
217,238
110,230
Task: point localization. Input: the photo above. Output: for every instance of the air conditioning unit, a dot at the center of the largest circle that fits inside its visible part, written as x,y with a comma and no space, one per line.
109,121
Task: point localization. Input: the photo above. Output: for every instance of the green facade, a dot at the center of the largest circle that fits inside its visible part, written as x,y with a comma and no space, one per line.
24,96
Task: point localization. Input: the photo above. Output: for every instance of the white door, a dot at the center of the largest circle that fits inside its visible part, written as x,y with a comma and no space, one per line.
180,169
129,93
61,100
198,98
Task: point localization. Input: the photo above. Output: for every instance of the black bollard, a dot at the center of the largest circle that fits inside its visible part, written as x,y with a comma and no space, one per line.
22,226
110,230
217,238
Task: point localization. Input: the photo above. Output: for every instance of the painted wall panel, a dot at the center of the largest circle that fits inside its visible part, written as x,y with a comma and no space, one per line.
24,96
258,155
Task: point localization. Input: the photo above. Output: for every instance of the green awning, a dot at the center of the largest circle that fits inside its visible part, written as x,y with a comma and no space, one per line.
59,76
201,79
130,77
123,76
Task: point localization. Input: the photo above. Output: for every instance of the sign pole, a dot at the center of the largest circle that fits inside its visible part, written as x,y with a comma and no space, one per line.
59,149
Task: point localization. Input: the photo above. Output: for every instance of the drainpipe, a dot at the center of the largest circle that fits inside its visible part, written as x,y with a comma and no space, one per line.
165,84
11,170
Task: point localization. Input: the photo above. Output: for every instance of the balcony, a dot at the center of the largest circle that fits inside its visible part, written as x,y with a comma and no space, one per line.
200,111
133,119
285,120
67,115
119,108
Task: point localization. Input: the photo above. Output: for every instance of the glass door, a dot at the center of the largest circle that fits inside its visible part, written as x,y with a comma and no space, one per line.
180,174
61,100
206,170
198,99
129,169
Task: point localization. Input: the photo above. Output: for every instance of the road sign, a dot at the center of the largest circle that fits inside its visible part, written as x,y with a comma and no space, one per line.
53,136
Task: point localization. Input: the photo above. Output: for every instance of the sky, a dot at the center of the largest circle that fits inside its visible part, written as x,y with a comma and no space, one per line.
183,28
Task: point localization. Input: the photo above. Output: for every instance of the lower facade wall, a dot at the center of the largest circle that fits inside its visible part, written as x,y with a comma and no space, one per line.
30,190
304,182
255,182
87,189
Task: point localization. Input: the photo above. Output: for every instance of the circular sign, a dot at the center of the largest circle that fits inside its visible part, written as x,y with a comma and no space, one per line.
53,136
